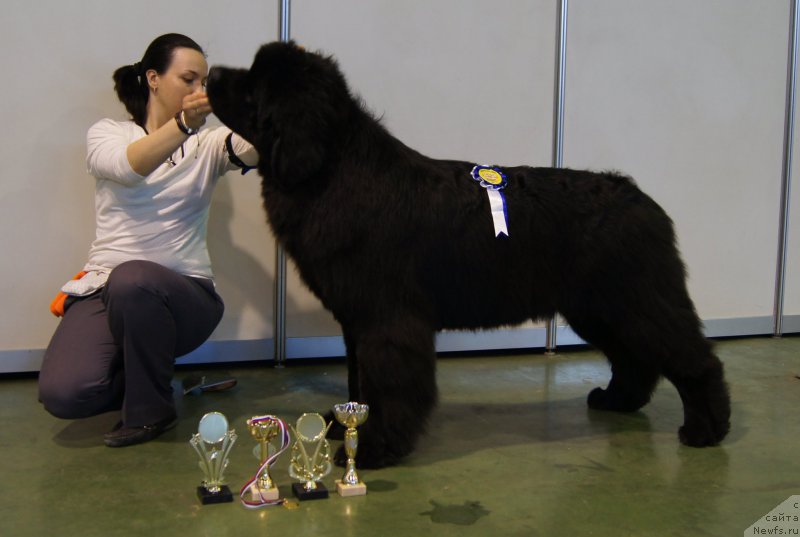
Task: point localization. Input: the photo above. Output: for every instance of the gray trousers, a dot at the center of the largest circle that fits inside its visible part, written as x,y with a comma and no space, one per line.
117,347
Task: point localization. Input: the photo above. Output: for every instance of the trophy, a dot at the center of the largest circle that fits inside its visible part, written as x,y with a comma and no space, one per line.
310,433
351,415
213,442
264,429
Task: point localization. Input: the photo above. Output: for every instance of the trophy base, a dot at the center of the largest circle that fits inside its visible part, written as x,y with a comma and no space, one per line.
206,497
350,490
302,494
268,495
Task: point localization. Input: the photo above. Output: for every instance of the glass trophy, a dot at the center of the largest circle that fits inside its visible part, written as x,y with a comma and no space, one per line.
213,442
311,457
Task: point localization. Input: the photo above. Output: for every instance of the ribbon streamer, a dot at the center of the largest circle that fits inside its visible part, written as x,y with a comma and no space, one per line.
494,181
497,201
270,460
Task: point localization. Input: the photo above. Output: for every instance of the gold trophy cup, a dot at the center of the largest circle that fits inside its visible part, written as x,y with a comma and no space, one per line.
351,415
263,429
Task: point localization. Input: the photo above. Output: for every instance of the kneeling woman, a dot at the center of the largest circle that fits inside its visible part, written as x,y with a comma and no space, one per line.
146,294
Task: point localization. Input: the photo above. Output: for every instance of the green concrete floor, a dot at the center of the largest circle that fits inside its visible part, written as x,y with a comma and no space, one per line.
512,450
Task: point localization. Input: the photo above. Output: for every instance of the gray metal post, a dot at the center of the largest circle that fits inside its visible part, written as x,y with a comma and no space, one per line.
279,311
558,130
285,19
786,173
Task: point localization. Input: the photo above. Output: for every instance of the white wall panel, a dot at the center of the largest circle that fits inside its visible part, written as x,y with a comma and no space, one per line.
688,98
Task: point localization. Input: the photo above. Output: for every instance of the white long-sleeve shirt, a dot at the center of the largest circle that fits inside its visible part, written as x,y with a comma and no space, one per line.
161,217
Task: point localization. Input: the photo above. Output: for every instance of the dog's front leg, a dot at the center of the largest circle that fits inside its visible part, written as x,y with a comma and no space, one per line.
396,372
352,366
336,432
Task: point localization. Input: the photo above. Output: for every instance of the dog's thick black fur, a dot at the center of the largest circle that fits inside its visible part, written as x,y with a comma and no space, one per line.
398,245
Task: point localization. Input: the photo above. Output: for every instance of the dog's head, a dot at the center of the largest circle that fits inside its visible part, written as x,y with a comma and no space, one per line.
291,105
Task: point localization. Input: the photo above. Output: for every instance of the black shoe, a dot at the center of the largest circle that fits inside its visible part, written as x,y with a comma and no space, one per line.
121,436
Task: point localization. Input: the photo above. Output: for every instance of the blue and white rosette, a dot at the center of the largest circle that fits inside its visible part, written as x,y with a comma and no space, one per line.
494,181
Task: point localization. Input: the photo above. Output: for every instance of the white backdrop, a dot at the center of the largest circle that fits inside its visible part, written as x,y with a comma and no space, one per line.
686,96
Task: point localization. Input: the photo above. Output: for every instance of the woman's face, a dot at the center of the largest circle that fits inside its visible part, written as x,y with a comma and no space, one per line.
185,75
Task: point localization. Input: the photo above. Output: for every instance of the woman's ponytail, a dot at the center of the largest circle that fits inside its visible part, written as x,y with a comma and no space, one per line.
132,91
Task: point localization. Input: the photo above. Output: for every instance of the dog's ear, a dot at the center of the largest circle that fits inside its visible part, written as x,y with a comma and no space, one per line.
304,108
299,150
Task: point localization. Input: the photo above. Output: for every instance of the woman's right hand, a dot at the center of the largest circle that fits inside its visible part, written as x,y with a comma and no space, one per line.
196,109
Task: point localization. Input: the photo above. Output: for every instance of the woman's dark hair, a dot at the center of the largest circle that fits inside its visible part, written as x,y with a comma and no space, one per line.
130,81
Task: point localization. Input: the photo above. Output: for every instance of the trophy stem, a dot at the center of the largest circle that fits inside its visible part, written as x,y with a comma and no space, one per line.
350,445
264,479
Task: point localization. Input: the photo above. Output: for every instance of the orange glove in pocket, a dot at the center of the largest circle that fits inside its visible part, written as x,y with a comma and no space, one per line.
57,305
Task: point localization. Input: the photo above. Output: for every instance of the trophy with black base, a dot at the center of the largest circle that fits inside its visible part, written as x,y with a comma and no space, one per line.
213,442
310,434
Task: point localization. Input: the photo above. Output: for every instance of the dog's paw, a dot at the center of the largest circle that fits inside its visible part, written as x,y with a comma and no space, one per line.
701,433
600,399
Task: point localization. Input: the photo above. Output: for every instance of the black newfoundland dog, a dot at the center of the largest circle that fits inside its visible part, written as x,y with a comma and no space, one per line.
398,245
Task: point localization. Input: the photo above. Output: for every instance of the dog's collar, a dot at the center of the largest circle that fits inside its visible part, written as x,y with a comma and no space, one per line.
235,160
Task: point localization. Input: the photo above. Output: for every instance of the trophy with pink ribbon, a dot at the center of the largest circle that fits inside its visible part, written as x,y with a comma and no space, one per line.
261,489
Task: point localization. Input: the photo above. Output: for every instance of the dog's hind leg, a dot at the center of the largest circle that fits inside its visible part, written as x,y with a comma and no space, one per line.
633,376
397,379
697,374
685,358
630,388
668,342
670,332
